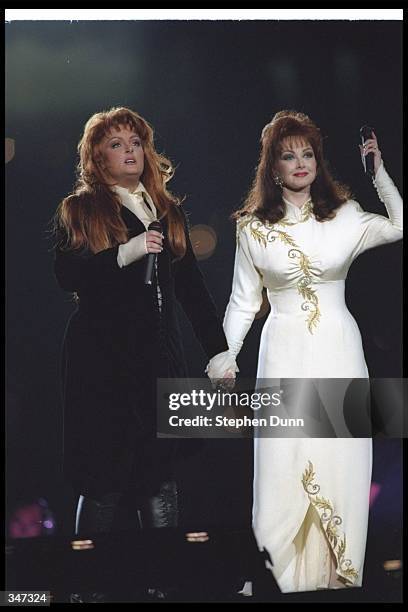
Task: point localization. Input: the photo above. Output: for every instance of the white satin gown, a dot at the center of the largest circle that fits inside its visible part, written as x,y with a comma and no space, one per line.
311,496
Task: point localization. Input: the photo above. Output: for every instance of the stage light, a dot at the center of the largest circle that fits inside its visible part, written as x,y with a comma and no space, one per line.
374,492
204,240
9,149
201,536
392,565
82,545
32,520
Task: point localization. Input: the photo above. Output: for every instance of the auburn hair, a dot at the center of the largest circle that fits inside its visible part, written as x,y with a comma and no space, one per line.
89,218
264,199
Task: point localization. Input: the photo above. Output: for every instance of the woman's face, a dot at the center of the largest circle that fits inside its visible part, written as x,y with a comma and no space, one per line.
296,165
122,156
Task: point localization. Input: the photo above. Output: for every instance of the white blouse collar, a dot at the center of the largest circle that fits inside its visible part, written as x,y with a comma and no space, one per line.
139,190
138,201
139,194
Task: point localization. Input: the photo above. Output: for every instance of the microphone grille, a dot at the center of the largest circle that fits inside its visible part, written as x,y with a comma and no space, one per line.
366,132
156,226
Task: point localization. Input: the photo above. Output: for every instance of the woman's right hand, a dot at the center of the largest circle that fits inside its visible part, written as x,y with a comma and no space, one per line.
154,241
137,247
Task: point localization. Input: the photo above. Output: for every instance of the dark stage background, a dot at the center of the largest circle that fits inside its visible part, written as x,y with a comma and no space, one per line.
208,88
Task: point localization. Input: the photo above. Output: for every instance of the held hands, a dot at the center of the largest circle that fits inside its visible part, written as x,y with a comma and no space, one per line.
221,370
226,383
154,241
371,146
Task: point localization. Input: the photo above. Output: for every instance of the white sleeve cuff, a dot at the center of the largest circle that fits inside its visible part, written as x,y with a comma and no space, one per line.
390,196
131,251
383,183
380,172
220,364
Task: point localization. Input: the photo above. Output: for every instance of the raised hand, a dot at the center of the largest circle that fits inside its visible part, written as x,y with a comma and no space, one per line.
371,146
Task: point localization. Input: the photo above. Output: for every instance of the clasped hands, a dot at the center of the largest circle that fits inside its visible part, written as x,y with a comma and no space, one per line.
226,382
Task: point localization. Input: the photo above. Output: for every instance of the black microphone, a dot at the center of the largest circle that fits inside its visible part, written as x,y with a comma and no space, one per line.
151,257
366,132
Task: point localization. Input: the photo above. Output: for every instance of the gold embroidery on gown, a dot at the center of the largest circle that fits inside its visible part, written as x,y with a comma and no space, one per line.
286,517
330,523
257,227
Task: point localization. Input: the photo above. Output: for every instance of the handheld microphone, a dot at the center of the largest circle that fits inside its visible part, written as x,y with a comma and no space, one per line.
151,257
368,160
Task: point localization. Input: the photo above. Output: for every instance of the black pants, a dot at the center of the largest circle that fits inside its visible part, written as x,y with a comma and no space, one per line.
118,511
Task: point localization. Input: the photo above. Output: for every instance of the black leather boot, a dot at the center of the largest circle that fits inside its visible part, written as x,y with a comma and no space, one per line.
160,509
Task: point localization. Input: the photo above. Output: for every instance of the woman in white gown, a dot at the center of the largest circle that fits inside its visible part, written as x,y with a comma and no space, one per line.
297,235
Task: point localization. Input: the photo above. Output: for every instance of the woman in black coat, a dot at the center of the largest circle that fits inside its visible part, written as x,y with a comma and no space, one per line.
124,334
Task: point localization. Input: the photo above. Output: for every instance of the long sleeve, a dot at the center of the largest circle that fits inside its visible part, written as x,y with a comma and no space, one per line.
78,271
197,303
246,295
245,301
374,229
132,250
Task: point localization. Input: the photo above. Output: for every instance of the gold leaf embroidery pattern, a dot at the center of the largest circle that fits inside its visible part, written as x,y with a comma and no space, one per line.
311,301
286,239
259,237
330,523
306,212
256,226
242,223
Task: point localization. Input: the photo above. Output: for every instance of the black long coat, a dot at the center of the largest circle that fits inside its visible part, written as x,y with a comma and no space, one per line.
116,344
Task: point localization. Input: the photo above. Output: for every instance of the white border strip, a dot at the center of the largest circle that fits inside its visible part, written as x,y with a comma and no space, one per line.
205,14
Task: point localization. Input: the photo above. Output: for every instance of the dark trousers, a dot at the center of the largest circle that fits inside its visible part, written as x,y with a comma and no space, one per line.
118,511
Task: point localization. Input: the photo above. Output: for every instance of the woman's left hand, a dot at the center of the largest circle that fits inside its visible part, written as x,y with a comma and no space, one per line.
371,146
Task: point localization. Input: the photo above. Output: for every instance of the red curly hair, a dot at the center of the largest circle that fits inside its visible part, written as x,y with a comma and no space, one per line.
90,216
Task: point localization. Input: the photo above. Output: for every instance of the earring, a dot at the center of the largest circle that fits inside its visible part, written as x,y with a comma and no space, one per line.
278,180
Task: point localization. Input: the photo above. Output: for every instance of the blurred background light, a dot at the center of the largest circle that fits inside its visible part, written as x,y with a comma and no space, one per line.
9,149
204,241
